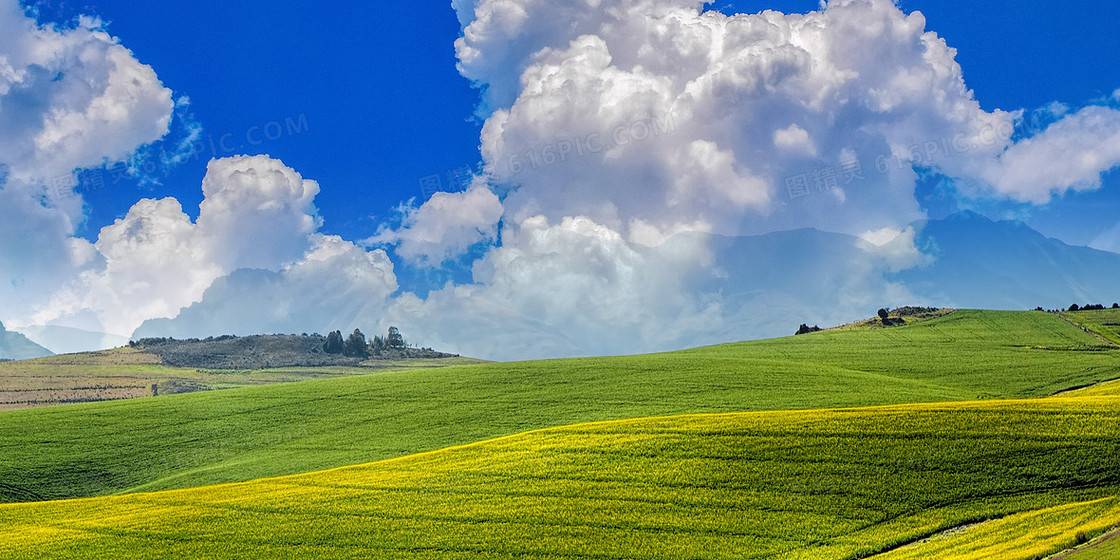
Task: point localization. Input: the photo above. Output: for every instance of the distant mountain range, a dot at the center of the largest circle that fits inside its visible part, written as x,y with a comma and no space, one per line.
15,346
963,261
66,340
766,285
770,283
980,263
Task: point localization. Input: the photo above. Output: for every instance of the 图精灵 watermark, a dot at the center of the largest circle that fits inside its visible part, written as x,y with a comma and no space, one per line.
930,153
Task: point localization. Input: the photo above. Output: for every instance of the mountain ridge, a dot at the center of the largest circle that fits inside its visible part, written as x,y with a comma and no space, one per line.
1006,265
15,346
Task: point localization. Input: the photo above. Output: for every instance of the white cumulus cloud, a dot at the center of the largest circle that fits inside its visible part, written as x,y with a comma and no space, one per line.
1070,154
662,113
446,226
571,288
69,98
336,285
257,214
72,98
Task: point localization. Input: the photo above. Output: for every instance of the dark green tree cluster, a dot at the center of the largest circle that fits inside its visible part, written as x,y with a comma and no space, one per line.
395,339
334,344
392,341
1091,307
357,346
377,345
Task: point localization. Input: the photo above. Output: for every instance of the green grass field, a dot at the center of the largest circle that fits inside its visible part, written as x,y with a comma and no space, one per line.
1105,323
972,479
1108,550
831,484
241,434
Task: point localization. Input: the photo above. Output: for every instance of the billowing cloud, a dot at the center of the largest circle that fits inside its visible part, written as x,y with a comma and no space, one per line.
656,111
150,268
72,98
336,285
571,288
500,37
257,213
69,98
651,174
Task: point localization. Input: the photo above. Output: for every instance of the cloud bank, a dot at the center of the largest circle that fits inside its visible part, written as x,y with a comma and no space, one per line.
69,98
615,126
625,144
257,213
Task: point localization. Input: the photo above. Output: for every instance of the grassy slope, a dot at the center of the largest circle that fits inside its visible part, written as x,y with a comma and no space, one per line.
821,485
1106,323
236,435
1108,550
1015,353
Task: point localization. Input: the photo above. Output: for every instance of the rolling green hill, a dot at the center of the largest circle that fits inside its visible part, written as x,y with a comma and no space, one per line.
241,434
1013,480
1105,323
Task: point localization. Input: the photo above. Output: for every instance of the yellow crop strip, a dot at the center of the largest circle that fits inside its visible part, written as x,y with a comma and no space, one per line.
1111,388
825,484
1029,534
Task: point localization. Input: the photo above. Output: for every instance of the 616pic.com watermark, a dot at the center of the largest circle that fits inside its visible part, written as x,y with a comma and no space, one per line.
86,181
230,143
593,143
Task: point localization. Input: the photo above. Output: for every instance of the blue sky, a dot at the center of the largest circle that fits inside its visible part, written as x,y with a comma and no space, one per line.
385,107
377,85
598,133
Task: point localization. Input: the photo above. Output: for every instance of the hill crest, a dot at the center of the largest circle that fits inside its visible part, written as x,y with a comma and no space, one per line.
265,352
